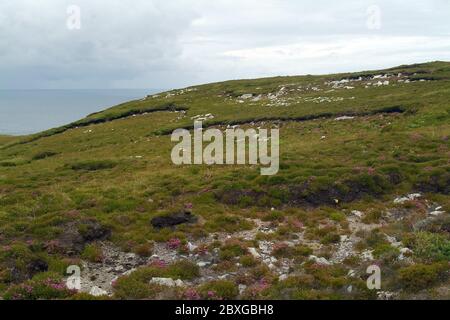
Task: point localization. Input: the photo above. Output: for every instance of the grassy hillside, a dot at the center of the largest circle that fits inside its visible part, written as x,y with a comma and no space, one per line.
85,194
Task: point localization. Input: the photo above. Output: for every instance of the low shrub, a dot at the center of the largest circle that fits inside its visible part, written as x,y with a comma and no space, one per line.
48,286
431,247
232,249
421,276
144,250
248,261
93,253
219,290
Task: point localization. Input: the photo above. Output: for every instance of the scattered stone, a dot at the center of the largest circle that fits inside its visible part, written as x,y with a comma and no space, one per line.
254,253
97,292
242,288
357,213
119,269
410,197
167,282
203,264
344,118
404,253
321,260
344,250
283,277
393,241
367,255
436,213
386,295
192,247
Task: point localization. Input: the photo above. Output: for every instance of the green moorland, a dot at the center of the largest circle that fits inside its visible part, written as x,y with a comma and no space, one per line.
67,192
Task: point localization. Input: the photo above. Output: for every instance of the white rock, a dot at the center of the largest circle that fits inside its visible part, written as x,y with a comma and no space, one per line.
254,253
436,213
404,252
167,282
283,277
393,241
367,255
119,269
344,118
242,288
192,247
97,292
321,260
179,283
357,213
130,256
385,295
409,197
202,264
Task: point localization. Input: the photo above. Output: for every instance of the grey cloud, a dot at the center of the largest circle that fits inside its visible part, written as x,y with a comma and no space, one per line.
156,43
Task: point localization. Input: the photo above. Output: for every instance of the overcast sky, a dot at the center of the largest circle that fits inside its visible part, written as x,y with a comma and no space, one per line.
176,43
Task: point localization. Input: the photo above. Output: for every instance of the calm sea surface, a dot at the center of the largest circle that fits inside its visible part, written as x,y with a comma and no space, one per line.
31,111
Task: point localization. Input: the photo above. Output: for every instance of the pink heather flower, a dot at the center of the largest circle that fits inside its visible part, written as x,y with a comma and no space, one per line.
188,206
174,243
263,284
260,286
191,294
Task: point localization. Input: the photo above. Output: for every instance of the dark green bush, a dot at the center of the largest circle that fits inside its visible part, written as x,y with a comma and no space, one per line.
44,155
93,165
421,276
431,247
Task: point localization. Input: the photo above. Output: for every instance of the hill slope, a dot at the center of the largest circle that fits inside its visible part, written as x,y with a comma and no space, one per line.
85,194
